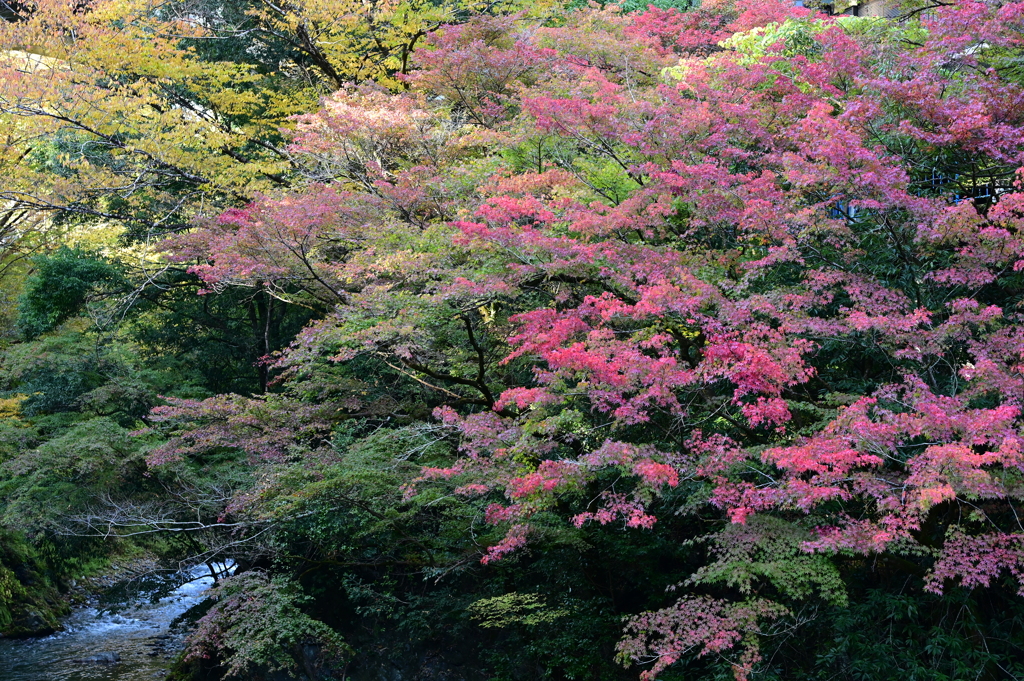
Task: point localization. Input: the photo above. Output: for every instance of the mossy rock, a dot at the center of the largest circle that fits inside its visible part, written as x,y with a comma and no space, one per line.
30,604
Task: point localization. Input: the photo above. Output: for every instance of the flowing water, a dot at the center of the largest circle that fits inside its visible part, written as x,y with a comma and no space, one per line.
132,620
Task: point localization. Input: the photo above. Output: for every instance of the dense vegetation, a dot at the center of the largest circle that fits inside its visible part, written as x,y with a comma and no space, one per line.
522,340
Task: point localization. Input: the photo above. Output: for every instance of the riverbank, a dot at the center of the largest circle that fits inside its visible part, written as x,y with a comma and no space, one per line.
31,602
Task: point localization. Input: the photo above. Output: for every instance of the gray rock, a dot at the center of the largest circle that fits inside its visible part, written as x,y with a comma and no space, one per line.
35,622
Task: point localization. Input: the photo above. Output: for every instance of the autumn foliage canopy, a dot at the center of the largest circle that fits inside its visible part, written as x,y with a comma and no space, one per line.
746,260
746,263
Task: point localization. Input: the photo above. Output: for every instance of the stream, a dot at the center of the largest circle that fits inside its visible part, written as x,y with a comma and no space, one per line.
132,620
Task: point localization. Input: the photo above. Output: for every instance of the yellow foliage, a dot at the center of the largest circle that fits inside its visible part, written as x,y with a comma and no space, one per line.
112,114
10,407
513,608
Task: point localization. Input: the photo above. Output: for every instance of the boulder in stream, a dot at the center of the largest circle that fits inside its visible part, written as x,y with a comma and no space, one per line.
101,658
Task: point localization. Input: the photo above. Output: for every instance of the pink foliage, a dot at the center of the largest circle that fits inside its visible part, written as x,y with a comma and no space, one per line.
263,430
697,625
976,561
514,540
479,66
617,506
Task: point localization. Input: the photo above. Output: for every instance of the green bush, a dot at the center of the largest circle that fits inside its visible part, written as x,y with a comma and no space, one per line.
60,287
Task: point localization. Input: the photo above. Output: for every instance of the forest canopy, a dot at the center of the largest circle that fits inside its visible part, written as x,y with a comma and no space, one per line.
523,340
